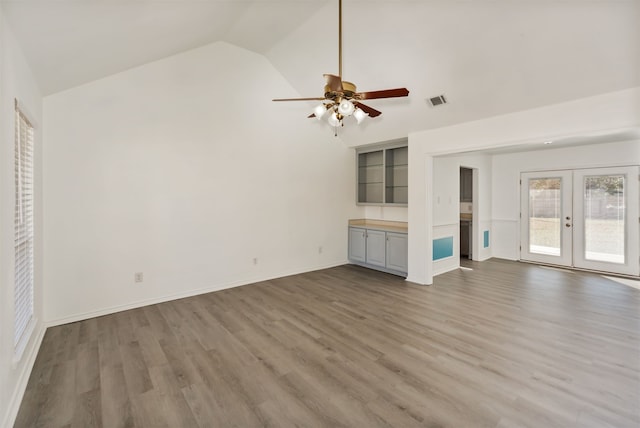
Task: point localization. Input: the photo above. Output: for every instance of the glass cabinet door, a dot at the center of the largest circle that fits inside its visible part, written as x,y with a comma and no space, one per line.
397,176
370,178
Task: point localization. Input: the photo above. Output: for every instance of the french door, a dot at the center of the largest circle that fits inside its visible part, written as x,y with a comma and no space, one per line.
584,218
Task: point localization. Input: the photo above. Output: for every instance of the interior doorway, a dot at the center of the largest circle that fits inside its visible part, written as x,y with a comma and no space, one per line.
583,218
466,213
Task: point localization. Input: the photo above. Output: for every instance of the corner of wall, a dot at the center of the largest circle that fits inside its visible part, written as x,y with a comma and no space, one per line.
29,359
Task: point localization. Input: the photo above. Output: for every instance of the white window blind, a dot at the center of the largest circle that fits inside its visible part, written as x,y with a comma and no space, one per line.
23,229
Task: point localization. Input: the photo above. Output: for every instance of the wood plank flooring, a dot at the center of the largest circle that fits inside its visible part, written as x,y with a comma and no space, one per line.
504,345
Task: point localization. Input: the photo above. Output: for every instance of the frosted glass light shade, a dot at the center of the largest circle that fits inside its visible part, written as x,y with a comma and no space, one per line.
333,119
346,108
320,111
359,115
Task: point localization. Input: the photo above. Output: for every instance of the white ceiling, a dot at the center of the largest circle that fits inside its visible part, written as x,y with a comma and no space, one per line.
488,57
70,42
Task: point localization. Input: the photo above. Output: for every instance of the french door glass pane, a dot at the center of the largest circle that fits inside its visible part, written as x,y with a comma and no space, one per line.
545,216
604,215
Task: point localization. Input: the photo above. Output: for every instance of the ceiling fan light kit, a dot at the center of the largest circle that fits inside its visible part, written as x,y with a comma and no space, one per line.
335,119
359,115
341,98
320,111
346,107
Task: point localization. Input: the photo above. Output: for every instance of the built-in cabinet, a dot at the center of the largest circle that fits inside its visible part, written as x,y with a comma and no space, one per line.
376,252
370,177
374,247
383,177
397,175
397,246
357,245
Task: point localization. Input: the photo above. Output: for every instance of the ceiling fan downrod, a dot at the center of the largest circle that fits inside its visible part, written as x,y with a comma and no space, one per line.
340,38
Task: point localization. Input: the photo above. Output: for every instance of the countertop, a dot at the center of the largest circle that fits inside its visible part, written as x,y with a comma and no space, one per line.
386,225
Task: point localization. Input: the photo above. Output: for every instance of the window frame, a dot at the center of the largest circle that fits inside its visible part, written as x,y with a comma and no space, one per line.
24,235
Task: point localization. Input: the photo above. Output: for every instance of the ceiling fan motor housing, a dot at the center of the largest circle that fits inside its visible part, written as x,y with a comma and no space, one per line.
348,91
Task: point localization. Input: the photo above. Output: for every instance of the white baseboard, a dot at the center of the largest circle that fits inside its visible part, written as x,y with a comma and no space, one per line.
190,293
509,258
445,269
417,282
23,378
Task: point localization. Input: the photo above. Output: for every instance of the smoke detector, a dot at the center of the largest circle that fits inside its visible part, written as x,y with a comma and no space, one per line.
437,101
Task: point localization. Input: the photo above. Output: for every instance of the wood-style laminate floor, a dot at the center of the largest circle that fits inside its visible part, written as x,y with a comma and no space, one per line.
504,345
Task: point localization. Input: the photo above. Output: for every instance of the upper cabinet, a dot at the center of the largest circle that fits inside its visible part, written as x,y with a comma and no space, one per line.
383,176
370,177
397,177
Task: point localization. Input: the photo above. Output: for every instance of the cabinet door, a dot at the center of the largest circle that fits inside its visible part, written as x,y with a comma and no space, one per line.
357,244
376,248
397,251
370,177
397,175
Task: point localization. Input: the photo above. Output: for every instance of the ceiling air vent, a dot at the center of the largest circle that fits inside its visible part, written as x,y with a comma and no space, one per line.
437,101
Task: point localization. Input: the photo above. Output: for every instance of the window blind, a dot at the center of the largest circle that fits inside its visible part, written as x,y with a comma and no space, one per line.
23,292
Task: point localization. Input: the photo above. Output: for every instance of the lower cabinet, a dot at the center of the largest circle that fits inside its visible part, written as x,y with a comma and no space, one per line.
397,251
378,249
357,244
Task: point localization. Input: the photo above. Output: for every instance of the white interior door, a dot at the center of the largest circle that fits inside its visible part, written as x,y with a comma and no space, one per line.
546,217
606,220
586,218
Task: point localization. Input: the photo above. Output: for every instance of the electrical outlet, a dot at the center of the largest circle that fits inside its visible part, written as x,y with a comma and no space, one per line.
138,277
255,260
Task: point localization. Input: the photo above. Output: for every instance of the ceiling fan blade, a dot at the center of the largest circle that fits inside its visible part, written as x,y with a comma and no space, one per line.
370,111
334,82
385,93
299,99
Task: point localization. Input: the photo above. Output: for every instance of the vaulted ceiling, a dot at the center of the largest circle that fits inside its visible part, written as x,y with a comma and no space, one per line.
488,57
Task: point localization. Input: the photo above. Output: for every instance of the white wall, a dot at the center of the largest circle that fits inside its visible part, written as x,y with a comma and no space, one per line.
506,178
185,170
602,114
446,209
16,81
384,213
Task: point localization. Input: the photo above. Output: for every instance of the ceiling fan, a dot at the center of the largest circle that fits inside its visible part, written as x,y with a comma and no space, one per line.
341,98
